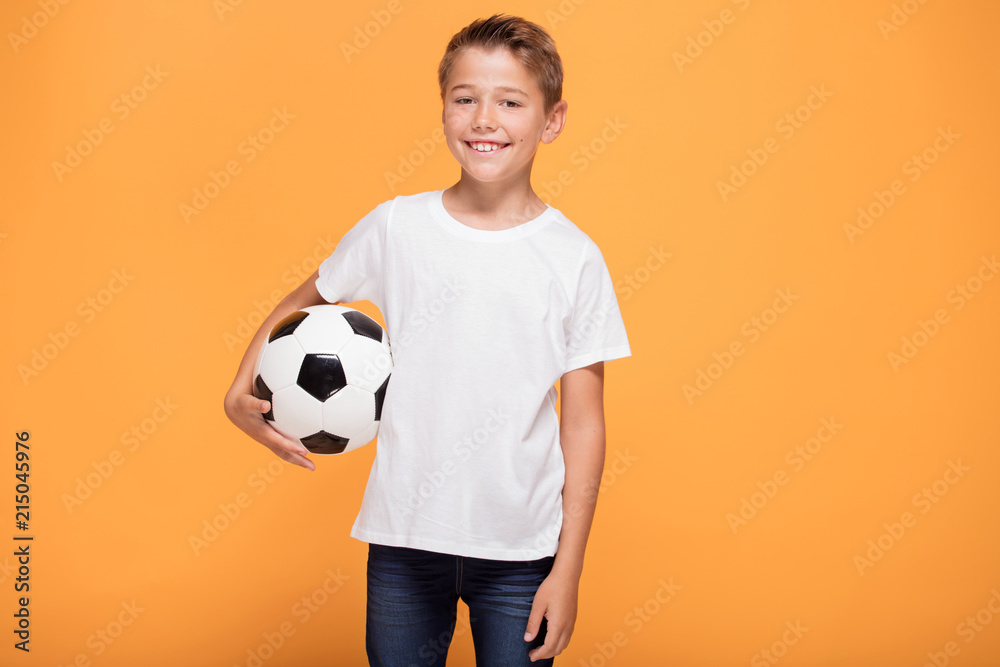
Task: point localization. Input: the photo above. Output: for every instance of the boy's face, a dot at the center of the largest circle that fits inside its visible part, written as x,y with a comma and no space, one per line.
491,101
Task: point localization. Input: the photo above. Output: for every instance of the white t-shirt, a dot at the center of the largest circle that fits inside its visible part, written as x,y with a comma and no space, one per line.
481,325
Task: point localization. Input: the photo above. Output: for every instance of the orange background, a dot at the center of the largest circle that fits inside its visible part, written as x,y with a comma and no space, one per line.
649,137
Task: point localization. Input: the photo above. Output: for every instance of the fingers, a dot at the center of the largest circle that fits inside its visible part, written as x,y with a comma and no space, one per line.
247,412
290,450
250,403
299,460
250,419
534,618
556,640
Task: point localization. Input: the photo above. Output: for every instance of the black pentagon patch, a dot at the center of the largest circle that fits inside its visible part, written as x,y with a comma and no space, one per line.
286,326
364,325
261,391
321,375
379,398
324,443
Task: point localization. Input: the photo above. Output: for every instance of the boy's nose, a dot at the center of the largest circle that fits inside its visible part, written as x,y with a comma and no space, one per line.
484,119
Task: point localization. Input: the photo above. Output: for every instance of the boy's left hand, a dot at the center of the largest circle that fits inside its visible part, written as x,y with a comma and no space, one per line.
555,601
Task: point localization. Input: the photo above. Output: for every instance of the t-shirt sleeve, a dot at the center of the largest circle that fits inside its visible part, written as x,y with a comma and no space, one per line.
596,330
354,270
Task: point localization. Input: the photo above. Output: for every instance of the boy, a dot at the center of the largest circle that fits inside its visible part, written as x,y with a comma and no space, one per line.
489,297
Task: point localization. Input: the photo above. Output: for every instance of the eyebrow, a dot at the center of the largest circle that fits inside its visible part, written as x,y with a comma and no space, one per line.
502,89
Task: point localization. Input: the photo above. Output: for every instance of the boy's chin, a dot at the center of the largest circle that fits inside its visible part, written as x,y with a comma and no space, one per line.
494,173
495,180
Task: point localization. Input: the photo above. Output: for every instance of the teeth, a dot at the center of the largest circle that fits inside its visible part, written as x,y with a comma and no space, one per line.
486,148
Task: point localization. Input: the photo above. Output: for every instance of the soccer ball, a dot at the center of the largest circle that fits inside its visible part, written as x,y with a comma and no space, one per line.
325,370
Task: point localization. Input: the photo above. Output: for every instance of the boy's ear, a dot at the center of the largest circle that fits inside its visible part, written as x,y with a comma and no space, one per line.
556,122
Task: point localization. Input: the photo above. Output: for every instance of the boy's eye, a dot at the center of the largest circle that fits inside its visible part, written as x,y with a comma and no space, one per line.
510,104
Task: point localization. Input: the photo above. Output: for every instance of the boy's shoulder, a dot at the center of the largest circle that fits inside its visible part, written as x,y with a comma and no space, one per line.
414,197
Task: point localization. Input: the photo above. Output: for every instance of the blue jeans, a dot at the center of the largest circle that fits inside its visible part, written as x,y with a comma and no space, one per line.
412,602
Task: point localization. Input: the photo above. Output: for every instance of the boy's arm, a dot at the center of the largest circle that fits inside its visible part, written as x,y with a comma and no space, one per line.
246,410
582,435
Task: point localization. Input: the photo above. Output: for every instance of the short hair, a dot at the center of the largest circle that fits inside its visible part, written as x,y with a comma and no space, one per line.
528,42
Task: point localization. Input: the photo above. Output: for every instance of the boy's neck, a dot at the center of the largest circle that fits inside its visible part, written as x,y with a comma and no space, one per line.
492,205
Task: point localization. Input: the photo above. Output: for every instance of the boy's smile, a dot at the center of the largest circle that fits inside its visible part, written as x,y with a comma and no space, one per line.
494,117
486,146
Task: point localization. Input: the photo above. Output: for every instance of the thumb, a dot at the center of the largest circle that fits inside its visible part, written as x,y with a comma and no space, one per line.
535,619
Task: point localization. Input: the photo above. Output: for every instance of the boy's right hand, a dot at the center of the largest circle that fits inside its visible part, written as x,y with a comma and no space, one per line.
247,412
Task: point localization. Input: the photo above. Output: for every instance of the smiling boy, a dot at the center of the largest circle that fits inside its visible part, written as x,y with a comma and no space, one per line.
479,491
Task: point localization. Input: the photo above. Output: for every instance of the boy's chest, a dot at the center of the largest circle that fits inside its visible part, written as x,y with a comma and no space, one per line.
474,285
